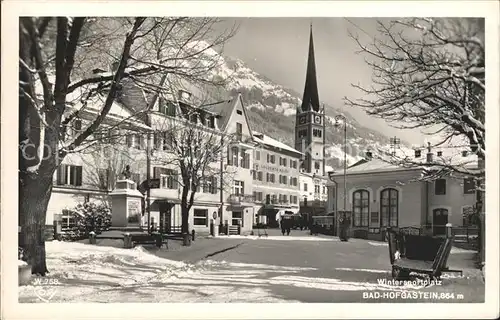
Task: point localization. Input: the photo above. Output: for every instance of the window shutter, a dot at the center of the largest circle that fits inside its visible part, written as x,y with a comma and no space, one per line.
214,185
161,105
175,183
62,176
78,171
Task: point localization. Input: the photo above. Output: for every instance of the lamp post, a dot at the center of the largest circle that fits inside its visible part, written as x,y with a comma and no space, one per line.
341,121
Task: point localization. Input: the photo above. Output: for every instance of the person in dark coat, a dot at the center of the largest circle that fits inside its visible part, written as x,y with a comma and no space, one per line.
282,225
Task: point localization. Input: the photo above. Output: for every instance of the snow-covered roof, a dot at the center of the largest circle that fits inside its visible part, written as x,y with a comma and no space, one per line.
267,140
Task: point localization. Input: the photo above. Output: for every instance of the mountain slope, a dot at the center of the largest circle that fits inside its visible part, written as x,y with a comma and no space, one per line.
272,107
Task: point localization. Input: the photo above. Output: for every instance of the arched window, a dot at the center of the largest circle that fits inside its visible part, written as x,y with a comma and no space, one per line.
389,207
361,208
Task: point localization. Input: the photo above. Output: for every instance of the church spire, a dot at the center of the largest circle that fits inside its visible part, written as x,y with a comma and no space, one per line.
310,99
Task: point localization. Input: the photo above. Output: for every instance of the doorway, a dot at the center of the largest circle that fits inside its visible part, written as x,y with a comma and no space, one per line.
165,224
237,218
440,219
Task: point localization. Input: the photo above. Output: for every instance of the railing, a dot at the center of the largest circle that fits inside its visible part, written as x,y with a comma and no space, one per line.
312,203
278,202
239,198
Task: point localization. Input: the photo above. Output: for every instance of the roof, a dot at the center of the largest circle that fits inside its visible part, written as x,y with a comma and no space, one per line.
267,140
222,109
376,165
373,166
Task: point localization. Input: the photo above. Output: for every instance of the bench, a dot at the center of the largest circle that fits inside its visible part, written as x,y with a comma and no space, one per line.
130,240
418,254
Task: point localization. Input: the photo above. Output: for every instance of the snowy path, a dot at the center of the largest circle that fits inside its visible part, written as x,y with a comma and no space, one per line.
88,273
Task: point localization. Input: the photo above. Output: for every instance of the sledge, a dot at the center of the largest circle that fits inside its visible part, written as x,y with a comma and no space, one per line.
410,252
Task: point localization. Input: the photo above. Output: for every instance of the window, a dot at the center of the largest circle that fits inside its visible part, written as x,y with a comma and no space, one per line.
268,198
317,188
305,186
238,188
69,175
166,107
273,159
302,133
389,207
440,187
257,155
200,217
239,131
317,165
374,219
239,112
469,186
245,160
293,164
168,177
233,157
257,196
135,141
317,133
271,177
324,190
468,216
259,176
361,208
209,185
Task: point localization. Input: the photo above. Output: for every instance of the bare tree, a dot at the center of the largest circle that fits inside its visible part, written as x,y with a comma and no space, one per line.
193,145
56,85
430,74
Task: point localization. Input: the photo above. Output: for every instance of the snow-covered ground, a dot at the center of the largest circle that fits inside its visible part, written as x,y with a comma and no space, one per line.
85,273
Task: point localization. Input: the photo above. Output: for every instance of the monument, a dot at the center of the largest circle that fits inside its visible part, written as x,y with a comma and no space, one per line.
126,202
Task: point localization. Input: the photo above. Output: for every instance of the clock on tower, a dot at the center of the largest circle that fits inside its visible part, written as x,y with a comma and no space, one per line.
302,119
317,119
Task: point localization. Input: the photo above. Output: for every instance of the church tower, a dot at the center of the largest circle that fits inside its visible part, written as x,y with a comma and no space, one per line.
309,121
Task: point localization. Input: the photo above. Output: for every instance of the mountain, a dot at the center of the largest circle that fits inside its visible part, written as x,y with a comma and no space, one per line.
272,107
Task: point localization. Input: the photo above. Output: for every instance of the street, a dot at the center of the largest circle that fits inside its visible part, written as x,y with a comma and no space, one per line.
295,268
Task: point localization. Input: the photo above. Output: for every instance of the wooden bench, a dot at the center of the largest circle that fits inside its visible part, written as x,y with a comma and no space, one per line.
131,240
404,265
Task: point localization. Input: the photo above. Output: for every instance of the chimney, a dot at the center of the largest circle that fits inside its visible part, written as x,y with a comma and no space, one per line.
430,155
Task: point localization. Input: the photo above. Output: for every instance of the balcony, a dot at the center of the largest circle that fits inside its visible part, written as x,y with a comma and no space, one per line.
237,199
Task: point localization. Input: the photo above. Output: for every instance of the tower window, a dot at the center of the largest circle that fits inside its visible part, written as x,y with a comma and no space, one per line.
317,133
302,133
316,165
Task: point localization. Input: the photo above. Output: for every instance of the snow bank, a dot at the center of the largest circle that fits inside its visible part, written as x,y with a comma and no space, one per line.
87,273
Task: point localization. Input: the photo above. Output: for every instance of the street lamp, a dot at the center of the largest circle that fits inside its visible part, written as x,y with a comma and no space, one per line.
341,121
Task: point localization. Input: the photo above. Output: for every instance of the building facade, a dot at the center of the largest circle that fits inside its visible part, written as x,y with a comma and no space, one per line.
381,195
275,179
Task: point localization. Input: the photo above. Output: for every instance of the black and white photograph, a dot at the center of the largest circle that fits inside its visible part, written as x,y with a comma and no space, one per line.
170,157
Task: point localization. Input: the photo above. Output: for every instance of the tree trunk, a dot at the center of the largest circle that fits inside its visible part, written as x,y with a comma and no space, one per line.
186,237
34,196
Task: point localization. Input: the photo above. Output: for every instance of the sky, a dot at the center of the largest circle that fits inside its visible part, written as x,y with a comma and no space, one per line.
277,48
